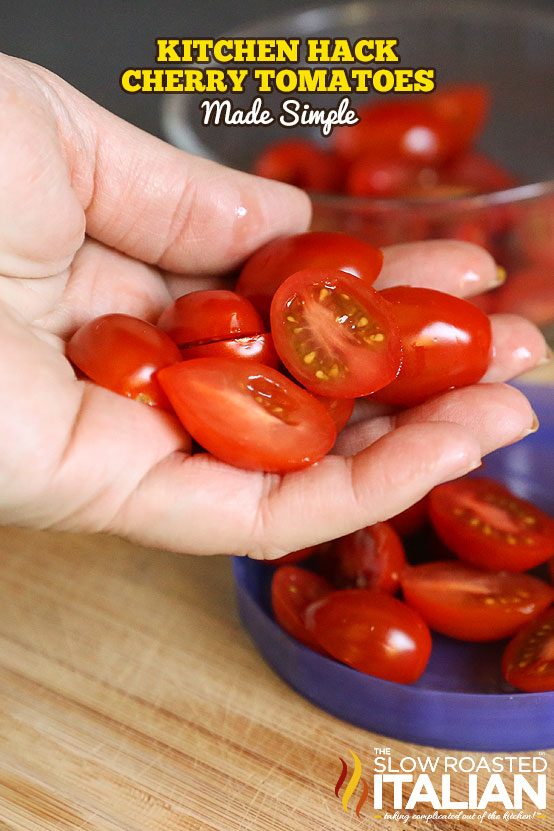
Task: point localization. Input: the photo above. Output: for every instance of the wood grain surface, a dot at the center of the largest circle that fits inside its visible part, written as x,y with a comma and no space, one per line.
132,700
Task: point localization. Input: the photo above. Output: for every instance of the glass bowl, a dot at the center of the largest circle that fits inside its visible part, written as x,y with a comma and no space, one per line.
510,51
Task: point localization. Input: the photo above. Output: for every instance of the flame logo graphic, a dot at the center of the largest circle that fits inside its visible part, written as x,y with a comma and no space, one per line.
352,784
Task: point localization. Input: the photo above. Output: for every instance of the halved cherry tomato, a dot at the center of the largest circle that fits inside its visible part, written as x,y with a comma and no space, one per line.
400,130
247,414
266,269
371,558
464,107
301,163
210,315
472,605
335,334
412,519
292,591
257,348
478,172
380,178
488,526
528,661
372,632
340,409
123,353
446,343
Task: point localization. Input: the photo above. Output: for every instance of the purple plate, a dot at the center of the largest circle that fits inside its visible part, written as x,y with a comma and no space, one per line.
461,701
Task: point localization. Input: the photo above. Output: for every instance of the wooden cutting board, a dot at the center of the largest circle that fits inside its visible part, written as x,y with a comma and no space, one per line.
132,700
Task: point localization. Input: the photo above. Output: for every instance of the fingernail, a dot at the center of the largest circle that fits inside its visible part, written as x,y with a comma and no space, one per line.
547,357
500,275
535,424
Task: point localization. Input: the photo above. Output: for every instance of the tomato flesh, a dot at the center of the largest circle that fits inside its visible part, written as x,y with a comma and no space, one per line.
334,334
371,558
258,348
528,660
123,353
490,527
271,264
446,343
210,315
300,163
372,632
473,605
292,591
247,414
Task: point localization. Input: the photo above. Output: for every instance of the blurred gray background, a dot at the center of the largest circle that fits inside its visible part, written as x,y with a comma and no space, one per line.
89,43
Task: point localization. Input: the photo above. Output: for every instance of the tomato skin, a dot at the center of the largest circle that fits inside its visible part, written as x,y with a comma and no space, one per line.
301,163
293,558
258,348
489,527
371,558
473,605
271,264
292,591
528,660
371,632
411,520
334,334
123,353
210,315
340,410
464,108
230,408
407,131
380,178
446,343
478,172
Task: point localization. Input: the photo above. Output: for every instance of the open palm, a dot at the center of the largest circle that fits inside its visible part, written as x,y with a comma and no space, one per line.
97,217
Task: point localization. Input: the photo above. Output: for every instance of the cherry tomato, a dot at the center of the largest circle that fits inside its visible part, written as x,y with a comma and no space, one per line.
399,130
292,591
334,334
293,558
205,316
372,632
371,558
490,527
464,108
446,343
472,605
257,348
247,414
528,661
301,163
412,519
266,269
123,353
340,410
529,292
478,172
380,178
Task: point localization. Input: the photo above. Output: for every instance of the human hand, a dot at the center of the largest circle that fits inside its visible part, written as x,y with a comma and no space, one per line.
159,223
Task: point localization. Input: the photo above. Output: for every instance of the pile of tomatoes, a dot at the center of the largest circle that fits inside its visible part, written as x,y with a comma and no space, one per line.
266,376
460,567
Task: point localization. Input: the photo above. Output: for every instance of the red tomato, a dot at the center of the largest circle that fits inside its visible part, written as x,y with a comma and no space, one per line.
123,353
205,316
371,558
412,519
301,163
293,557
380,178
478,172
529,292
247,414
340,410
446,343
372,632
334,333
528,661
464,108
257,348
473,605
266,269
490,527
400,130
292,591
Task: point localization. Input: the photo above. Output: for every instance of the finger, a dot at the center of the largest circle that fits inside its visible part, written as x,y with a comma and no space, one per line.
495,414
205,507
452,266
158,204
517,347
